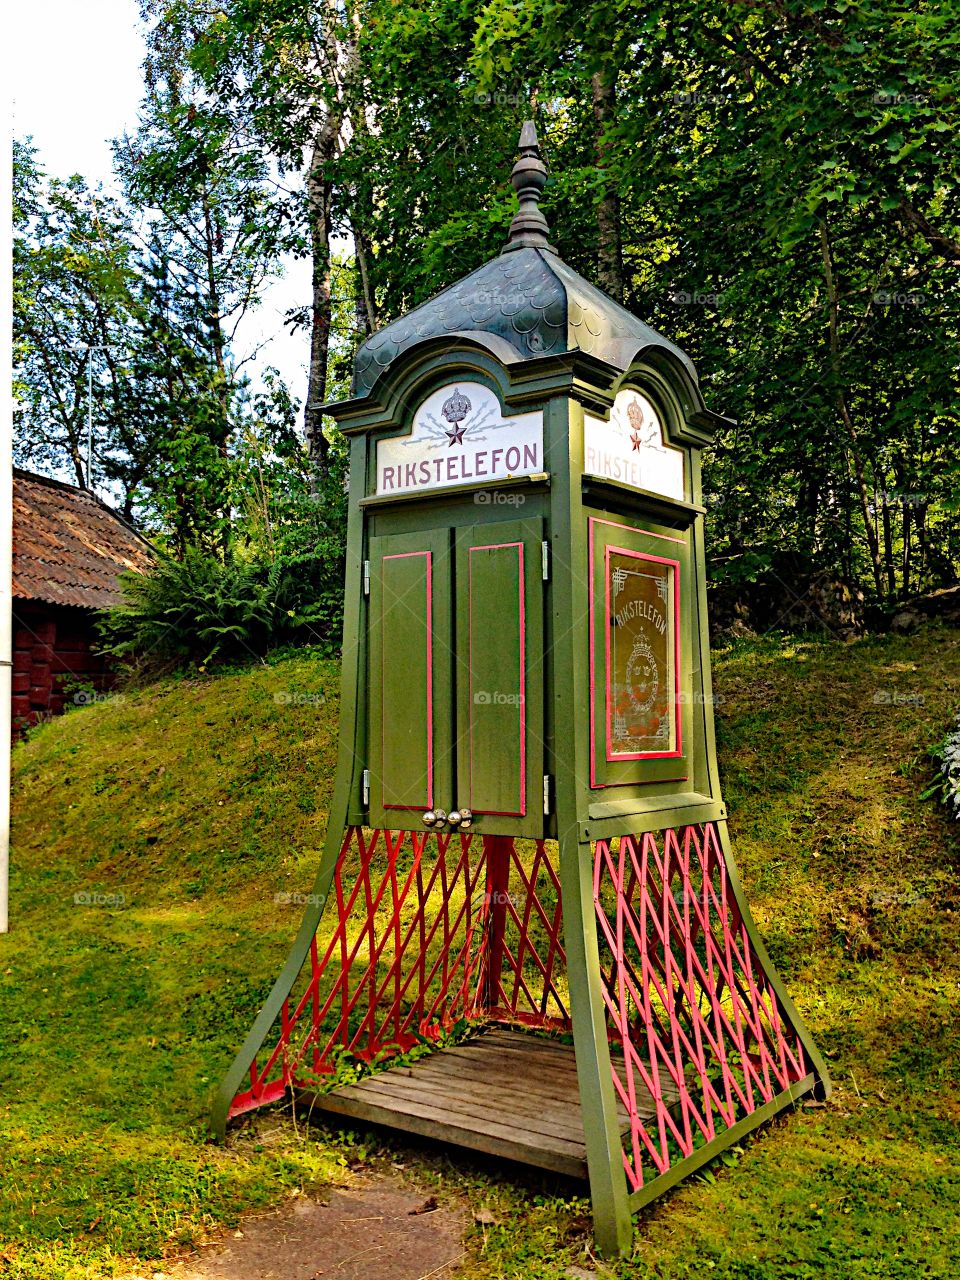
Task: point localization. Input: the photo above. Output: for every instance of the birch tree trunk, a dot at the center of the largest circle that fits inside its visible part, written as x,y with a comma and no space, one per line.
319,194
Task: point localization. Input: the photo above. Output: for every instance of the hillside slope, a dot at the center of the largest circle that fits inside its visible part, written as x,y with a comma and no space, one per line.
160,836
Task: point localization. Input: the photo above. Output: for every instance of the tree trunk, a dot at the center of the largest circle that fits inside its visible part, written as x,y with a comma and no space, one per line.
215,321
319,191
888,547
367,317
610,245
873,542
939,242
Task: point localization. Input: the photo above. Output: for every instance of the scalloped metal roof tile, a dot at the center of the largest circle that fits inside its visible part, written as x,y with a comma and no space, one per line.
530,298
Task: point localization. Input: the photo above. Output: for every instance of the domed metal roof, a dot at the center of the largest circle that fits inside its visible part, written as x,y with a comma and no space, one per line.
527,297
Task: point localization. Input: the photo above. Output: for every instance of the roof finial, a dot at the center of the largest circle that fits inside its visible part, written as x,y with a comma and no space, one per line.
529,229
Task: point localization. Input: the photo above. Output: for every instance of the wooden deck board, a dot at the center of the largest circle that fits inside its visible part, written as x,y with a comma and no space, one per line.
504,1093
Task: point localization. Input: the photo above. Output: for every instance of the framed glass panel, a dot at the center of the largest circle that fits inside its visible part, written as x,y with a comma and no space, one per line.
640,726
642,709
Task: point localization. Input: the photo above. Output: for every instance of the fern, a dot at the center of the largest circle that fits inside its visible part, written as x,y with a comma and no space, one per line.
946,787
203,609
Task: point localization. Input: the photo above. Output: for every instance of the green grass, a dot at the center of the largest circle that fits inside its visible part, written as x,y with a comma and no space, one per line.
189,806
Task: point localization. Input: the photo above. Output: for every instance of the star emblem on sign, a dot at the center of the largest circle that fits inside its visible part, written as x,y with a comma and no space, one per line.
635,417
455,409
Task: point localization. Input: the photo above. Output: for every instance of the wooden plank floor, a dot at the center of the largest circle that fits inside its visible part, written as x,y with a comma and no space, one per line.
504,1093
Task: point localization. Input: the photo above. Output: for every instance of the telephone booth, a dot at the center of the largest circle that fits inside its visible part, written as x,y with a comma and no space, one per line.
527,935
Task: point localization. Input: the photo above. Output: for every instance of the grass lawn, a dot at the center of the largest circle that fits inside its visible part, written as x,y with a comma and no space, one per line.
153,834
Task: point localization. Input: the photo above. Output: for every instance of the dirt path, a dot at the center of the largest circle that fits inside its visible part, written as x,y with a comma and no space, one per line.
377,1227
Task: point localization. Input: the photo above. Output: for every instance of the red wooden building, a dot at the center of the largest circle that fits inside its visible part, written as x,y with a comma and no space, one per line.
68,550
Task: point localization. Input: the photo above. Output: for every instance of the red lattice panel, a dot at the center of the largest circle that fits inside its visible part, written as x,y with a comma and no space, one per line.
686,996
404,951
527,965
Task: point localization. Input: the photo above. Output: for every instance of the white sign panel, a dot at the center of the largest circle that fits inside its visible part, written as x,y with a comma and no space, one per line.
631,447
460,436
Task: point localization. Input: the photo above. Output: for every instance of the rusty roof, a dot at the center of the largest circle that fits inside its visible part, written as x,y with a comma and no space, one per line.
68,546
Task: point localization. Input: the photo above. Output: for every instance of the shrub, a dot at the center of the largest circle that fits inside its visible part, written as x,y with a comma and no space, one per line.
947,785
204,609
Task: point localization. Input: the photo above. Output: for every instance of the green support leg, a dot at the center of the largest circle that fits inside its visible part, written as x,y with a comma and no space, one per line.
612,1223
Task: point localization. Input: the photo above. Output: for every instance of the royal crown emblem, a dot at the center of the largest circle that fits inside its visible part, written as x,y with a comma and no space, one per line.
643,677
455,408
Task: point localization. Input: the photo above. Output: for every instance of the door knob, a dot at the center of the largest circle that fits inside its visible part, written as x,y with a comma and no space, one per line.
462,818
434,818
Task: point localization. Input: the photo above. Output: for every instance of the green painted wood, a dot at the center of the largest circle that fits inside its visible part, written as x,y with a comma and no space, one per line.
499,665
632,818
409,677
525,484
401,623
602,490
569,647
556,640
492,692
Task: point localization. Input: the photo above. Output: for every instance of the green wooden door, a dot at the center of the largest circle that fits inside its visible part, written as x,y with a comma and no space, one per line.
498,626
410,677
455,676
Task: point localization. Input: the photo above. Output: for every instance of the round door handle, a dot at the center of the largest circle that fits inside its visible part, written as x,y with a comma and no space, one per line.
434,818
462,818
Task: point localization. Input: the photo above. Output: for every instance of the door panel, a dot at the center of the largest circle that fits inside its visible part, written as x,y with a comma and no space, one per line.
410,678
499,631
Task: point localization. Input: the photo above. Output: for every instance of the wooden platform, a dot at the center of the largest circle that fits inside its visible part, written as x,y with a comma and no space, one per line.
504,1093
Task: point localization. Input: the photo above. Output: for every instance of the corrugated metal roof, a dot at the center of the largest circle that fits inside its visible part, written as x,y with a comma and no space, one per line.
68,546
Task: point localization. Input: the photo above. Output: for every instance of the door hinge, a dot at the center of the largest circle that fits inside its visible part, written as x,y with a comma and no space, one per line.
365,788
546,793
366,577
545,560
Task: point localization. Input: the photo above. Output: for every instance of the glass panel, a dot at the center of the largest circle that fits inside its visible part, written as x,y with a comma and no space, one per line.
641,655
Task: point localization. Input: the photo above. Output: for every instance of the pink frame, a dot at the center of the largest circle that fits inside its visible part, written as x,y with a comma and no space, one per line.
611,755
503,546
407,555
595,785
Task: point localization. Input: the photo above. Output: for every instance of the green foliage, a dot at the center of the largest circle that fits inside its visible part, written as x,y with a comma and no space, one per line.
74,280
203,608
280,579
779,182
946,757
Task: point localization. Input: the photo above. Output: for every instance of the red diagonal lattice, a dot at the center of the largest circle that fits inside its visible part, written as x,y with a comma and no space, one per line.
419,931
527,962
705,1041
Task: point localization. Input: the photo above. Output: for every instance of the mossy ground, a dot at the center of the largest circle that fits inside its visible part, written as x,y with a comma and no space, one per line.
189,806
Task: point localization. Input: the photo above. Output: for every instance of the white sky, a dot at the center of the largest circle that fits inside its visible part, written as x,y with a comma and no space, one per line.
76,84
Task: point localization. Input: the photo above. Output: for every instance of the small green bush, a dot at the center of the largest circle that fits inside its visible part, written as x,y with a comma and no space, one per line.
946,787
204,609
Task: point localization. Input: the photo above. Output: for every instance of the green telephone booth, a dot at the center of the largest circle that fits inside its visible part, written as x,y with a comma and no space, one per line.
527,877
